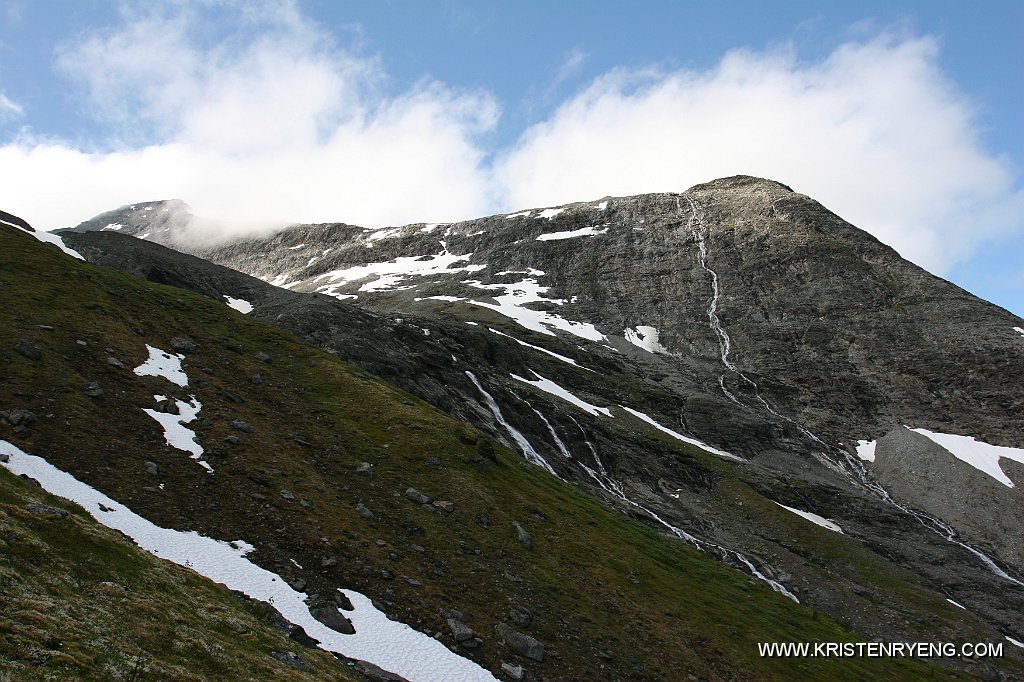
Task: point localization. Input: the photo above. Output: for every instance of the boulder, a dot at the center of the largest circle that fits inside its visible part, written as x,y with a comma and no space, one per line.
28,349
522,644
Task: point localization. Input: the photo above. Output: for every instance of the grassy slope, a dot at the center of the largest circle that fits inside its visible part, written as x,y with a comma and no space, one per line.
80,602
597,581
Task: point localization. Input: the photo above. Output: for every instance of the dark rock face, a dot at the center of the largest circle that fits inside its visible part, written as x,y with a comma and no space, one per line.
739,314
918,470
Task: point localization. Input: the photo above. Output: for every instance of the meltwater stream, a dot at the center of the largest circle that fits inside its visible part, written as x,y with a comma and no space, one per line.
845,464
611,486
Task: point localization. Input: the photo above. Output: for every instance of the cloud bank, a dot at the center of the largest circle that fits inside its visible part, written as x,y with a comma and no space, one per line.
278,123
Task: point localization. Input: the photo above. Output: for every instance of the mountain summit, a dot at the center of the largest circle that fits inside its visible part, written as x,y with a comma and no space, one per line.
735,367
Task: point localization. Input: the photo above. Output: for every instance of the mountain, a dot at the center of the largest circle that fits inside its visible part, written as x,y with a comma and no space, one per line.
696,368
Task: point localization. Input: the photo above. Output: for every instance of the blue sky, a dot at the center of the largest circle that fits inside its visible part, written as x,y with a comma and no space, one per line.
901,117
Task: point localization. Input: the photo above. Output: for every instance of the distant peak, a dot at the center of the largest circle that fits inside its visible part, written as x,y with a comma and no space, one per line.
742,182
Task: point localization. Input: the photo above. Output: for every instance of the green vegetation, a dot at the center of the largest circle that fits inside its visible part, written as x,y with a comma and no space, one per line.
611,598
80,602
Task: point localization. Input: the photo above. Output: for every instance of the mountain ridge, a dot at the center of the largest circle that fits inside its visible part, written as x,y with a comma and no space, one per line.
739,315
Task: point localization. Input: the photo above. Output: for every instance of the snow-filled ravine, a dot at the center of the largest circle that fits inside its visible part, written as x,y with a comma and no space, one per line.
980,455
391,645
814,518
680,437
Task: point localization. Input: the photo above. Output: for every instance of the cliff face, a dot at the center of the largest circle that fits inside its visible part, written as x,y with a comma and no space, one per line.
694,360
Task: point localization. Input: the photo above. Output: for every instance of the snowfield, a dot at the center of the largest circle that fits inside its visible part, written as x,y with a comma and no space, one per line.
391,645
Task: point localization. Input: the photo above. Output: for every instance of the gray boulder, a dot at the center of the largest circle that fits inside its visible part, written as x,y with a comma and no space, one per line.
522,644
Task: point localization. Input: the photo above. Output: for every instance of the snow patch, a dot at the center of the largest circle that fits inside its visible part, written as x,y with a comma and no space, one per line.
1014,642
553,354
866,450
551,387
50,238
391,645
163,364
602,206
550,213
528,451
814,518
296,247
959,606
591,231
175,432
386,233
678,436
239,304
646,338
521,214
1019,330
112,226
518,294
390,274
981,456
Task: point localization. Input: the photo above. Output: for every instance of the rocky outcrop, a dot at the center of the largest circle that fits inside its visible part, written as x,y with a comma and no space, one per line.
738,314
918,470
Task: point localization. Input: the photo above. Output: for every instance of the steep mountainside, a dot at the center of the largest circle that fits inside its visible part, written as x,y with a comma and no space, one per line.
200,418
696,361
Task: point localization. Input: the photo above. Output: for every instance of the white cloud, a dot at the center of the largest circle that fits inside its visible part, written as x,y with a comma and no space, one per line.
875,132
9,108
272,124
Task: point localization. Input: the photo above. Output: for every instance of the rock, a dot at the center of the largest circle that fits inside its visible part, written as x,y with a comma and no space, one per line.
114,362
232,396
94,390
445,506
328,562
168,406
40,509
245,427
363,511
26,348
460,631
81,344
524,538
292,660
520,616
262,357
416,496
365,468
472,643
522,644
4,457
152,469
433,462
232,440
256,378
288,495
18,417
182,344
512,672
299,584
342,601
376,674
329,615
413,582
